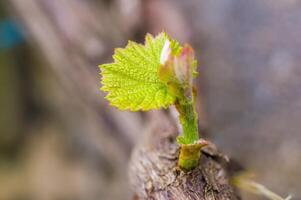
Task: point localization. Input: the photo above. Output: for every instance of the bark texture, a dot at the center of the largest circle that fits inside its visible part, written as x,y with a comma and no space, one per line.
154,174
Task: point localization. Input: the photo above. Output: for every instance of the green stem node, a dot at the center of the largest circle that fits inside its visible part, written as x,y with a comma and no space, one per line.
189,156
189,141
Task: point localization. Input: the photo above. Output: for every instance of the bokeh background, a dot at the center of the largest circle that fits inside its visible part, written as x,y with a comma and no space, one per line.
59,139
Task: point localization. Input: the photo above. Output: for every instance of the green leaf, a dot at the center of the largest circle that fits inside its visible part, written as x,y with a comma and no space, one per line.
132,80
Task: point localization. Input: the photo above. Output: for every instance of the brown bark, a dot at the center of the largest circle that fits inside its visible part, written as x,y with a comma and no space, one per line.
154,174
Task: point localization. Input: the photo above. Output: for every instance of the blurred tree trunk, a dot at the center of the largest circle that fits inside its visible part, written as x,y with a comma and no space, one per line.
71,38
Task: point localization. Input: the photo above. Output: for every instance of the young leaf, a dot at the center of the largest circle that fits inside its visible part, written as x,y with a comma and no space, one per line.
132,80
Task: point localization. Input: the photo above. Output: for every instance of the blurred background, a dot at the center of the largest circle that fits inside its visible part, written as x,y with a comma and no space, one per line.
59,139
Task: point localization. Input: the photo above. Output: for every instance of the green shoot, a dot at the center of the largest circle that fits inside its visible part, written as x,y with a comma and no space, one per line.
156,75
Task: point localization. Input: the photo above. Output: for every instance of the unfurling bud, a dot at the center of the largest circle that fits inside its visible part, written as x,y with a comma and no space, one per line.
177,71
184,65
